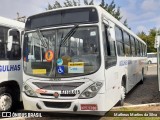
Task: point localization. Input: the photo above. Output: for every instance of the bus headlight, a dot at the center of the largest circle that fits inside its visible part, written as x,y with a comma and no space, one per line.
28,90
91,91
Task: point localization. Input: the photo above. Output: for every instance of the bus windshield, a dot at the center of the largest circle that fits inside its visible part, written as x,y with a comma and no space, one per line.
78,55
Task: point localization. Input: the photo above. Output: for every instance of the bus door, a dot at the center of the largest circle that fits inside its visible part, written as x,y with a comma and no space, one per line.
111,70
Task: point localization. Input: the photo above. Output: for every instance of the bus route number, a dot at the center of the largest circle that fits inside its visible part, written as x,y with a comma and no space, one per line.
70,91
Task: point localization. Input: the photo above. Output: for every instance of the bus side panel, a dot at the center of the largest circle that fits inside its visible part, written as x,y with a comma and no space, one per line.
112,86
11,71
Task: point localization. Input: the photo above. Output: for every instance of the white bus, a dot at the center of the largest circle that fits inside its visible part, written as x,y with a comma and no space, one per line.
151,58
10,63
79,59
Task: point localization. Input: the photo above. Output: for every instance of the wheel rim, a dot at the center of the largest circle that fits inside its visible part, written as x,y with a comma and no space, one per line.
5,102
122,95
122,92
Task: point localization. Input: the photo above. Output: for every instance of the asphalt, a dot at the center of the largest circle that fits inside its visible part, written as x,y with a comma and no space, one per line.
145,93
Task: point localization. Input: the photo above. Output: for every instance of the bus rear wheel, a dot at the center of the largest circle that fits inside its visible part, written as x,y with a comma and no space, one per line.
142,79
149,62
122,92
6,99
121,101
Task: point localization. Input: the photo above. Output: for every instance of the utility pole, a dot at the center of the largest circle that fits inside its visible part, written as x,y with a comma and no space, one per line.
20,18
157,45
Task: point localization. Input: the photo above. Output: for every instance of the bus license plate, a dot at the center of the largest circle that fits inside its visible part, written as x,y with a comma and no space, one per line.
89,107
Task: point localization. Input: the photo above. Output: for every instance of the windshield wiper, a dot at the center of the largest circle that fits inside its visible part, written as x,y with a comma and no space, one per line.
40,35
69,34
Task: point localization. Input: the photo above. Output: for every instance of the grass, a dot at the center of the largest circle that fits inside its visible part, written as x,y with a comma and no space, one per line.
126,114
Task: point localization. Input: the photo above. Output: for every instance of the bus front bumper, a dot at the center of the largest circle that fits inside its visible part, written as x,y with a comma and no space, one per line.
85,106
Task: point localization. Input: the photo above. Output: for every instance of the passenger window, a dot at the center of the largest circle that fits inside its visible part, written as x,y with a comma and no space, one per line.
133,46
119,41
137,47
3,42
15,52
127,44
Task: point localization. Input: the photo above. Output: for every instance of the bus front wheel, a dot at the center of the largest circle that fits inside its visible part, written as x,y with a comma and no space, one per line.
142,79
6,99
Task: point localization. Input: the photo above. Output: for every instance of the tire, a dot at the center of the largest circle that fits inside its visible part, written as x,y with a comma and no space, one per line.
6,99
121,101
122,97
149,62
142,79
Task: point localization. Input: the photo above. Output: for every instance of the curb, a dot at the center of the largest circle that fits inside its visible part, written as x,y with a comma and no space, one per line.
140,105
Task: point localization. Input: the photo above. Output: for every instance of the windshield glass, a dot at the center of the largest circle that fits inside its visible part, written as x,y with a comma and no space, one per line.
44,56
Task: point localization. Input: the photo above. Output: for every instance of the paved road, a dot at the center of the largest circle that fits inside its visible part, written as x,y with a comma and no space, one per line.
146,92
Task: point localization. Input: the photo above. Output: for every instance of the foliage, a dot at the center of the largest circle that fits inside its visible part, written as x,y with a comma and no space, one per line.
126,24
111,8
68,3
54,6
149,39
88,3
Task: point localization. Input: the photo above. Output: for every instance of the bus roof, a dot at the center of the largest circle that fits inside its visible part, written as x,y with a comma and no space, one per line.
11,23
102,12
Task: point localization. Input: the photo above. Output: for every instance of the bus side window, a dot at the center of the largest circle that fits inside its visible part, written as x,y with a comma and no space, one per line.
110,51
133,46
15,52
3,42
119,41
127,45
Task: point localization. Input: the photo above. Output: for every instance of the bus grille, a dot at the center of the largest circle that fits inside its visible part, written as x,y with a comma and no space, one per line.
58,86
57,104
61,95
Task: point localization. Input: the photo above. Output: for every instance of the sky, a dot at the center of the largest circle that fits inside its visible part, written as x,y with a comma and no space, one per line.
141,15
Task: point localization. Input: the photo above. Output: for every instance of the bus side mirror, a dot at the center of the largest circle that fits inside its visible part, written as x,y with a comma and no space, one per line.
9,44
12,33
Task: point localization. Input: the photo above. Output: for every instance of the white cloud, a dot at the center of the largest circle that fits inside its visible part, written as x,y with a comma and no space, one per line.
132,4
150,5
141,28
128,15
9,8
97,2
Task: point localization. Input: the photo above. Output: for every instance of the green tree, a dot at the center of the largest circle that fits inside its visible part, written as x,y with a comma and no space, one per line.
69,3
88,3
126,24
54,6
149,39
111,8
